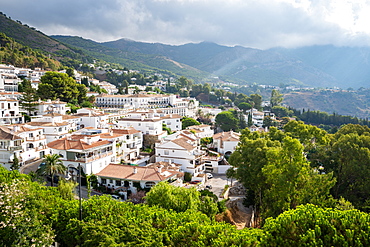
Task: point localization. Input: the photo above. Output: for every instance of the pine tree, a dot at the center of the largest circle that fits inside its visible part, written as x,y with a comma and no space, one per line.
28,100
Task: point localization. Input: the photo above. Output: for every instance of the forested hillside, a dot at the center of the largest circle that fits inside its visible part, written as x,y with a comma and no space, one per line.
11,52
351,103
137,61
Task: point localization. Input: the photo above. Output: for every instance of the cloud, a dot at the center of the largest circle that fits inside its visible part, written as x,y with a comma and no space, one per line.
251,23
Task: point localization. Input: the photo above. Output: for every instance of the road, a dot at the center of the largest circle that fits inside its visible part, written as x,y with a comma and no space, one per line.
218,183
30,167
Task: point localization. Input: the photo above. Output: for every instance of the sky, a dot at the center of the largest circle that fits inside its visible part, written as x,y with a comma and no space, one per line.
259,24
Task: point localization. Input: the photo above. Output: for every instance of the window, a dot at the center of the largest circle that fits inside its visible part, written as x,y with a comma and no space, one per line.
166,152
111,181
118,183
103,181
149,184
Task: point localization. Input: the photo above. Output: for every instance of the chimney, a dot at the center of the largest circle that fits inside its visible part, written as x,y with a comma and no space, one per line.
135,170
160,169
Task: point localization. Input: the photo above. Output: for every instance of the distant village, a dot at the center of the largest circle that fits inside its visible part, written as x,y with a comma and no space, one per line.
121,140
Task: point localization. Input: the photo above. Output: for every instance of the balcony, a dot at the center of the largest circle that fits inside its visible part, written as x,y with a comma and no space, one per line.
36,138
94,157
16,148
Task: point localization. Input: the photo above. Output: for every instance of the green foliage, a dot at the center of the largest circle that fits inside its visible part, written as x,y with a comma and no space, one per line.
276,98
181,199
59,85
188,121
53,166
206,140
276,173
28,100
66,189
310,225
187,176
227,121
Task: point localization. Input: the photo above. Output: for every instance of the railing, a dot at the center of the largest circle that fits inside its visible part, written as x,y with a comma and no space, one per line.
14,148
94,157
35,138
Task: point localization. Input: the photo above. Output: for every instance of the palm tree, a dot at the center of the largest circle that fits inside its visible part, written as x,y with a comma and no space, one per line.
52,167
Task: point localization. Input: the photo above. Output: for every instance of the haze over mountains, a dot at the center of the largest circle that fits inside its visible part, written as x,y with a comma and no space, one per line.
315,66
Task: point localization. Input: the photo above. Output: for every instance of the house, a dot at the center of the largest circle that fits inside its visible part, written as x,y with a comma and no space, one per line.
91,152
126,177
183,151
201,131
128,141
225,142
33,143
257,117
92,118
51,106
169,104
10,146
9,111
53,125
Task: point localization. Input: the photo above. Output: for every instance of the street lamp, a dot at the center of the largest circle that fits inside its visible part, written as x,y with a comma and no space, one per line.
79,189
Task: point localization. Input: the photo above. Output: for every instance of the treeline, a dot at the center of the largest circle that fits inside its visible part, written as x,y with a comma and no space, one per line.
319,118
301,164
18,55
33,214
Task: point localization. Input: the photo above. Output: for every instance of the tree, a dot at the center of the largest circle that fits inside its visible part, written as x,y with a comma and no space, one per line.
66,189
59,85
244,106
15,165
276,98
28,100
52,167
227,121
257,100
188,121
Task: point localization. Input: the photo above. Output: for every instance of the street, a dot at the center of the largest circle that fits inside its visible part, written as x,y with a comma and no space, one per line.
218,183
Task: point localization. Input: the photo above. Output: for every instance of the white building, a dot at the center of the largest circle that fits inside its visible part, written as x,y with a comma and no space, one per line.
89,151
122,177
225,142
9,111
51,106
33,143
169,104
54,126
202,130
10,146
183,151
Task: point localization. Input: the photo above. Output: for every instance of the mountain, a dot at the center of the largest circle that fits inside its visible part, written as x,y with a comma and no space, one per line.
350,66
240,63
144,62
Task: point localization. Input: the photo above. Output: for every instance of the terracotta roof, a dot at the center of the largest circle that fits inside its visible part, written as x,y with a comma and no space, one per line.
140,120
183,143
66,117
143,173
79,144
227,136
47,124
53,114
6,134
171,116
127,131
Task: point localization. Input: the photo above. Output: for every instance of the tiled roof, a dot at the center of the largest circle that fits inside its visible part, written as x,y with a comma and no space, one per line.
143,173
127,131
227,136
6,134
47,124
79,144
183,143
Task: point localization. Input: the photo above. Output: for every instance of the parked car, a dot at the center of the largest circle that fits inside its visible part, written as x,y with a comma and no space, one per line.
209,175
208,187
41,165
116,197
195,182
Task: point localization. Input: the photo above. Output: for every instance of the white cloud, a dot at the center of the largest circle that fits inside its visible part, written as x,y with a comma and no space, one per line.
251,23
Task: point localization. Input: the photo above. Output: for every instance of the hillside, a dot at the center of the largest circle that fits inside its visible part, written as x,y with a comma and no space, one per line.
351,103
137,61
235,63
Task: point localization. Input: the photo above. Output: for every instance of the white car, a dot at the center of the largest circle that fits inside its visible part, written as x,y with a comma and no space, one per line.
209,175
116,197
